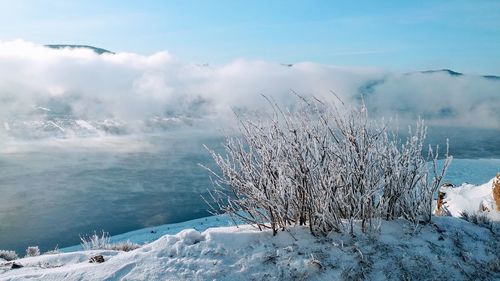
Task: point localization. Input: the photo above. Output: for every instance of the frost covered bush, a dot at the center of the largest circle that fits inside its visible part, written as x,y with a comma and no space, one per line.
8,255
95,242
53,251
477,218
32,251
102,242
123,246
324,167
480,219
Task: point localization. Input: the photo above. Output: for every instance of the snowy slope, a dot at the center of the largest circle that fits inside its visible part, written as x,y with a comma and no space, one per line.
149,234
207,249
469,198
448,249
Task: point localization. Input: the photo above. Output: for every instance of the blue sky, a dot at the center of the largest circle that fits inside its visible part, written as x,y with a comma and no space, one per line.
394,35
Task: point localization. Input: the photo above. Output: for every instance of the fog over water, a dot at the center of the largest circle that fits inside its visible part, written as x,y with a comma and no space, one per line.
52,195
120,92
112,141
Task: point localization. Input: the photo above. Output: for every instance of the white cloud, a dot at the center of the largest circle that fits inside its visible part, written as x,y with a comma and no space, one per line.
131,87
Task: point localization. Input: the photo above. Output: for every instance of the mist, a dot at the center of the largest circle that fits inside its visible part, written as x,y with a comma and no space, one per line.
77,92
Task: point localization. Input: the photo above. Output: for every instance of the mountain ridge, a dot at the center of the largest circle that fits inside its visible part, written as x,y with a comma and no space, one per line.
97,50
452,73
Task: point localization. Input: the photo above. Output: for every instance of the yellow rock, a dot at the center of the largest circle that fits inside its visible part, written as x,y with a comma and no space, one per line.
496,191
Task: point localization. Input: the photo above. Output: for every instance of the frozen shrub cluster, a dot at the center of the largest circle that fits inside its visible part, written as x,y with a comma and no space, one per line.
324,166
102,242
32,251
126,246
8,255
480,219
53,251
95,242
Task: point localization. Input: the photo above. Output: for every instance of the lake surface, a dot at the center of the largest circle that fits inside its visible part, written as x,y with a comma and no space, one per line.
53,191
53,194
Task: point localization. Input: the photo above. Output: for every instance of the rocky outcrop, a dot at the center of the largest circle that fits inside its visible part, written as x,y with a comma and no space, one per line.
440,206
97,259
496,191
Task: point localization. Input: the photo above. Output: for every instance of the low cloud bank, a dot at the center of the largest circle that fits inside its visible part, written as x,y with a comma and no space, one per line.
40,84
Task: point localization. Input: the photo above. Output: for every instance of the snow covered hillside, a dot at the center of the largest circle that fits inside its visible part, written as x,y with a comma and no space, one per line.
471,199
449,248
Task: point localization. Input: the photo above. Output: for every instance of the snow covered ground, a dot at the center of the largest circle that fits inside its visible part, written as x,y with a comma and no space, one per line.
149,234
207,249
448,249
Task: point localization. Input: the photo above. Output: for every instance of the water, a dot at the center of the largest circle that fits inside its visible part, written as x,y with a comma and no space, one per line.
474,171
51,192
50,196
467,143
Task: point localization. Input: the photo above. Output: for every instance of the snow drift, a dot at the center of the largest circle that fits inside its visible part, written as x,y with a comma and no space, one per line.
472,199
450,248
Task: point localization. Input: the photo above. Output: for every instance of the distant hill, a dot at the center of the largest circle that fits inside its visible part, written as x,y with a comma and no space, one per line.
454,73
369,88
99,51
